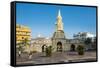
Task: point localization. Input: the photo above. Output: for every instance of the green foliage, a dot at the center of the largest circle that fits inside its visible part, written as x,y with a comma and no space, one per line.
25,42
88,41
20,46
48,51
80,50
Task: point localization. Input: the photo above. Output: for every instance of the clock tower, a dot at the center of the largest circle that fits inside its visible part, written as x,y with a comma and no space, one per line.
58,39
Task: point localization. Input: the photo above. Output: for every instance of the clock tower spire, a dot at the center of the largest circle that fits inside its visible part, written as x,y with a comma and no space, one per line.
59,24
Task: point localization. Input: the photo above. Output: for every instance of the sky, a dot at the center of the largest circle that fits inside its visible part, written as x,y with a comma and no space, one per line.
41,18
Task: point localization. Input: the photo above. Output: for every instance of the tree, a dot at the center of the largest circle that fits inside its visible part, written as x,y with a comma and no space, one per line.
26,45
25,42
88,42
80,50
48,51
19,48
23,45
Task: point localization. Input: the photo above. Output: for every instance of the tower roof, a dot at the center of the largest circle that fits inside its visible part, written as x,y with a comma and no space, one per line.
59,25
59,13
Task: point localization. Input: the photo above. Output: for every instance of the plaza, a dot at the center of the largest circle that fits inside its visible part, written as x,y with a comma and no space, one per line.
57,57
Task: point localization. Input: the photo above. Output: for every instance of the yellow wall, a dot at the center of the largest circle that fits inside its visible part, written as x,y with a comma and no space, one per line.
22,33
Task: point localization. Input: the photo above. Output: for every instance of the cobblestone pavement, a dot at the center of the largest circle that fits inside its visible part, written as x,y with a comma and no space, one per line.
57,57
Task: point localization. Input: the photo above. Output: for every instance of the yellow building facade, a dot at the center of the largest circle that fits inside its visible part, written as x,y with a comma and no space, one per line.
22,33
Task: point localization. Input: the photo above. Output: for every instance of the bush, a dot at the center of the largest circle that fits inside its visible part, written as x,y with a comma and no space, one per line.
80,50
48,51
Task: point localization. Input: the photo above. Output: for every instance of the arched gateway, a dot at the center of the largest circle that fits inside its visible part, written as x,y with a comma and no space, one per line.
44,48
59,47
72,47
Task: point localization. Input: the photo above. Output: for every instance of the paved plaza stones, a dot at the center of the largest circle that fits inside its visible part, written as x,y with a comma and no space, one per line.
57,57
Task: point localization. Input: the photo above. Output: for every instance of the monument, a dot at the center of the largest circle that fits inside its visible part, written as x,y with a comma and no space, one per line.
59,39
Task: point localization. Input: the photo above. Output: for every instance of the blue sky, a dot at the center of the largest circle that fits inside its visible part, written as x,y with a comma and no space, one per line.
42,18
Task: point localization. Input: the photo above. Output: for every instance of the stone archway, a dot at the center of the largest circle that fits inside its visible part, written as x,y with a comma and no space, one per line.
72,47
59,47
44,48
